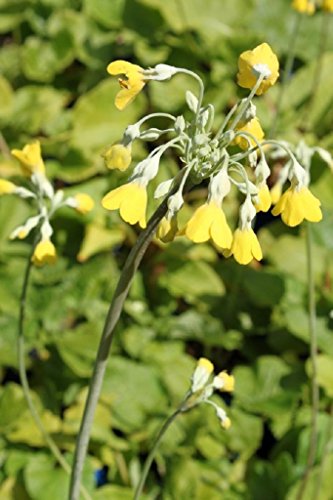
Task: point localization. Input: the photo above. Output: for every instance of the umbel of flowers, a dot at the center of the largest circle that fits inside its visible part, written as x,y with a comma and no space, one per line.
234,154
47,201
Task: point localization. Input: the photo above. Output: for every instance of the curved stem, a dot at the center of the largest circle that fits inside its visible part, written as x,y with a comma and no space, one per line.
313,357
151,456
131,265
24,379
201,88
287,72
155,115
245,104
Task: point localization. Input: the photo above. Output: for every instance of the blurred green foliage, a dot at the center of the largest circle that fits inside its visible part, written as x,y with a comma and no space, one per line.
186,301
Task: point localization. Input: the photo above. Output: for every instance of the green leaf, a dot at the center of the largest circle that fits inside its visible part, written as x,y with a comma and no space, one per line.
108,14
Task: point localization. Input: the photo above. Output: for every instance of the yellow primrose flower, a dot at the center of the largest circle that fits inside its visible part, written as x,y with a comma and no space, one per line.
30,158
327,5
131,200
209,222
224,382
254,62
201,374
45,253
305,6
295,205
131,82
85,203
226,423
118,157
167,229
253,127
245,246
264,199
276,192
6,187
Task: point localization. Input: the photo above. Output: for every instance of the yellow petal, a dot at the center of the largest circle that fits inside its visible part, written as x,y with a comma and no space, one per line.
265,202
30,158
198,227
118,157
220,231
167,229
45,253
262,54
245,246
6,187
85,203
121,67
126,96
131,200
254,128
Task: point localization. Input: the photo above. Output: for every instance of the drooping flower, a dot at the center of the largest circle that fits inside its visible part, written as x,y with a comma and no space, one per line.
82,202
252,127
201,374
245,244
276,192
264,198
297,204
209,222
7,187
167,229
131,201
304,6
256,62
131,81
118,157
30,158
45,253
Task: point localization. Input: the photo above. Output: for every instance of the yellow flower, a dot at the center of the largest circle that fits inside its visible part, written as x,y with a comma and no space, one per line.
295,205
201,374
6,187
118,157
245,246
253,62
209,222
45,253
253,127
265,199
224,382
167,229
84,203
131,82
30,158
226,423
327,5
131,200
305,6
276,192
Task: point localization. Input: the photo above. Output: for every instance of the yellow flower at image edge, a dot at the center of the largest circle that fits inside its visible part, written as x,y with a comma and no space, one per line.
245,246
30,158
252,62
254,128
209,222
296,205
6,187
305,6
131,200
117,157
131,81
45,253
327,5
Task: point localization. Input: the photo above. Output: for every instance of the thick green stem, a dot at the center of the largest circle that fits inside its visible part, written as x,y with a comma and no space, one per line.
149,460
287,72
24,379
120,294
313,357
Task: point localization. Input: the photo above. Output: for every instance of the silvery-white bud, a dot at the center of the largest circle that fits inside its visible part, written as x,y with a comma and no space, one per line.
175,203
247,213
163,188
131,133
151,134
180,124
192,101
163,72
46,230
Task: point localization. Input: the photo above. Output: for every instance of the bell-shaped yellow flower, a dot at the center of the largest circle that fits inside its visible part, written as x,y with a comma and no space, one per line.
45,253
30,158
253,62
118,157
85,203
304,6
6,187
131,81
264,199
276,192
327,5
167,229
245,246
131,200
295,205
209,222
253,127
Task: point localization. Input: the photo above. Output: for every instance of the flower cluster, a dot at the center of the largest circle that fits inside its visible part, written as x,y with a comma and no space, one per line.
47,201
235,155
203,387
309,6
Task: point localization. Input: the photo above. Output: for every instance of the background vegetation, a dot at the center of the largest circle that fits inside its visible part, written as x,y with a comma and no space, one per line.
187,301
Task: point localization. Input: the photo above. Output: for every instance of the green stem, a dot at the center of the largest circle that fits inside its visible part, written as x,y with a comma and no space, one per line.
324,455
158,439
131,265
245,104
24,379
313,358
287,72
